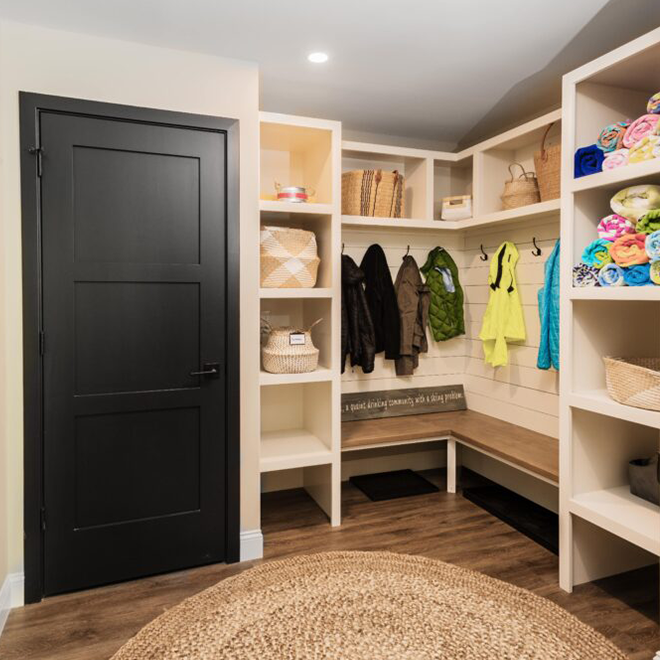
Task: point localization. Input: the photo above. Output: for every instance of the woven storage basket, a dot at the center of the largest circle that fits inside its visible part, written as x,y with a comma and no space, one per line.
372,193
281,356
289,258
634,381
548,168
521,191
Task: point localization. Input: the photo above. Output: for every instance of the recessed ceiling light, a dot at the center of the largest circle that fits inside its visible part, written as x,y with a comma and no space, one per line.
318,58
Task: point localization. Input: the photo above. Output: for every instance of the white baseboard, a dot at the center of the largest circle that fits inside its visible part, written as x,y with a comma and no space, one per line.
252,545
11,595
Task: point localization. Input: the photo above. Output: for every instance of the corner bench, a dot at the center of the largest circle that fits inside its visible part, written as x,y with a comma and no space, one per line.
531,452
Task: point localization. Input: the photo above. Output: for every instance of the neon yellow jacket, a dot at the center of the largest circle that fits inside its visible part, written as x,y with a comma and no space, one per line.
503,320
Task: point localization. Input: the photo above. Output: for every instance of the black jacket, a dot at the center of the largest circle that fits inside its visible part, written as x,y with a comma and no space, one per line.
357,330
381,299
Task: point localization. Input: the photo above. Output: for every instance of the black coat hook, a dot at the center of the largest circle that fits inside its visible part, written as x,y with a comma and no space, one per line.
342,248
484,256
537,250
407,252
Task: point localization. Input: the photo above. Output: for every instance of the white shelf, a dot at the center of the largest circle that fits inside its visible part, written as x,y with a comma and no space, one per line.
622,293
397,223
599,401
320,375
320,292
620,177
295,448
619,512
270,206
527,213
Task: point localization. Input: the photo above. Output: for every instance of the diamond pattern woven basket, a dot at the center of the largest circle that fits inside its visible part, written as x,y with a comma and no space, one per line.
289,258
634,381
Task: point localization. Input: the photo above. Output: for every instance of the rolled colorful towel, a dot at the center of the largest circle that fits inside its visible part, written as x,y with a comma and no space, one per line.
641,127
655,272
629,250
597,253
649,222
611,275
612,226
645,149
639,275
611,137
588,160
635,201
653,106
615,159
652,245
584,275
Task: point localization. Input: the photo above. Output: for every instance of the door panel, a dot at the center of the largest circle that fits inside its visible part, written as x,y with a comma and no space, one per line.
134,299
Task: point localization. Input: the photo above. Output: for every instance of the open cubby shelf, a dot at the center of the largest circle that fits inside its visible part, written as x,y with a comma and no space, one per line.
604,529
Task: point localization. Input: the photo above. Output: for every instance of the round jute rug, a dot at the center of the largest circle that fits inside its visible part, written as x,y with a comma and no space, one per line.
366,606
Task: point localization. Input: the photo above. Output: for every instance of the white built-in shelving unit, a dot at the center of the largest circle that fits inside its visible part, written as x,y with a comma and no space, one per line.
603,528
300,414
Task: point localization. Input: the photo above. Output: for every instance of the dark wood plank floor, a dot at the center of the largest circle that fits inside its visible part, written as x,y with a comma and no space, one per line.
92,625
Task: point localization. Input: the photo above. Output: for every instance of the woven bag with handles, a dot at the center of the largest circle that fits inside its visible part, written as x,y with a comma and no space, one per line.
281,356
547,162
521,191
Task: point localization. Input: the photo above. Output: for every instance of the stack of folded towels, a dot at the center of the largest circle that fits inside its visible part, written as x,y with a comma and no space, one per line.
627,250
622,142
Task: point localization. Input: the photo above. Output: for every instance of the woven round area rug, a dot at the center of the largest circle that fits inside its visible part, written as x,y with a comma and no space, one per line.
366,606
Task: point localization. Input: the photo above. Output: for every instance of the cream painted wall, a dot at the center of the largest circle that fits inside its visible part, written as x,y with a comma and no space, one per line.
65,64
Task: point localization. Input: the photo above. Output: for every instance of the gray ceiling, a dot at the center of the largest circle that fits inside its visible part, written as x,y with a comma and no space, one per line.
426,69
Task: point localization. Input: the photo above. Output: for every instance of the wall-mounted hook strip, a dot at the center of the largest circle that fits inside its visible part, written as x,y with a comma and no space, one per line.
484,256
537,250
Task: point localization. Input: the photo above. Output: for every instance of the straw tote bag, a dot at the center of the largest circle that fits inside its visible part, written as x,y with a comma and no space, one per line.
548,168
521,191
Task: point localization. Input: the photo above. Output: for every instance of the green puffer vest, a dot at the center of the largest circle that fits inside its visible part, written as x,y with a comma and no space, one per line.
446,310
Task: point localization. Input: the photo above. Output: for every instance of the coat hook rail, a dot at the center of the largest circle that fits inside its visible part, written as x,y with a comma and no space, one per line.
484,256
537,252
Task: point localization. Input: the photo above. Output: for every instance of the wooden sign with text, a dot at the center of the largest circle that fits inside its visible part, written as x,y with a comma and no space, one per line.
397,403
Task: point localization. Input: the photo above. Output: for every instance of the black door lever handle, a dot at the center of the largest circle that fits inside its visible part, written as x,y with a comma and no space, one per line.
210,369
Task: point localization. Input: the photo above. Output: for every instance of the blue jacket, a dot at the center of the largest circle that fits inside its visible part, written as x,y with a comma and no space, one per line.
549,313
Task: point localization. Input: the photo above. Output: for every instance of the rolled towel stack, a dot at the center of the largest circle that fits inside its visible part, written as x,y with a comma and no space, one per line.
655,272
584,275
639,275
615,159
649,222
611,137
611,275
645,149
629,250
613,226
597,253
653,106
640,128
635,201
652,245
588,160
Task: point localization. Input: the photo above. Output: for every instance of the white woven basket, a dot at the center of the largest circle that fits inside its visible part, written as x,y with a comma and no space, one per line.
281,356
289,258
634,381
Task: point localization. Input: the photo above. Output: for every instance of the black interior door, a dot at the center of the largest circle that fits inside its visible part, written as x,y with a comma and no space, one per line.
133,218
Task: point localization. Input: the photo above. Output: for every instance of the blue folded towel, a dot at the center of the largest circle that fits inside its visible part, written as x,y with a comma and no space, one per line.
588,160
639,275
611,275
652,246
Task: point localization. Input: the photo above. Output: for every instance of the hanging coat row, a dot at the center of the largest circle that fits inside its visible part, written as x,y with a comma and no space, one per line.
378,315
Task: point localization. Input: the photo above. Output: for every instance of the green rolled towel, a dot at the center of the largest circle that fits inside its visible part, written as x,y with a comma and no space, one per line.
636,201
649,222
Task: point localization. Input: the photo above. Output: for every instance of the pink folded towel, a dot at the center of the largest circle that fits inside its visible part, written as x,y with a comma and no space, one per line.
640,128
616,159
614,226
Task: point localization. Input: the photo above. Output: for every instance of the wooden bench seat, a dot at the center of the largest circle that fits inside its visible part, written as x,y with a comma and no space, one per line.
533,452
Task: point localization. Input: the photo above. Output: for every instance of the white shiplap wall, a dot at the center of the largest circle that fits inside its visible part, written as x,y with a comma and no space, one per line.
518,393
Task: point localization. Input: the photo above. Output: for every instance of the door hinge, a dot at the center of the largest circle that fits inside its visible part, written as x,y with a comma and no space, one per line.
43,518
42,342
38,152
